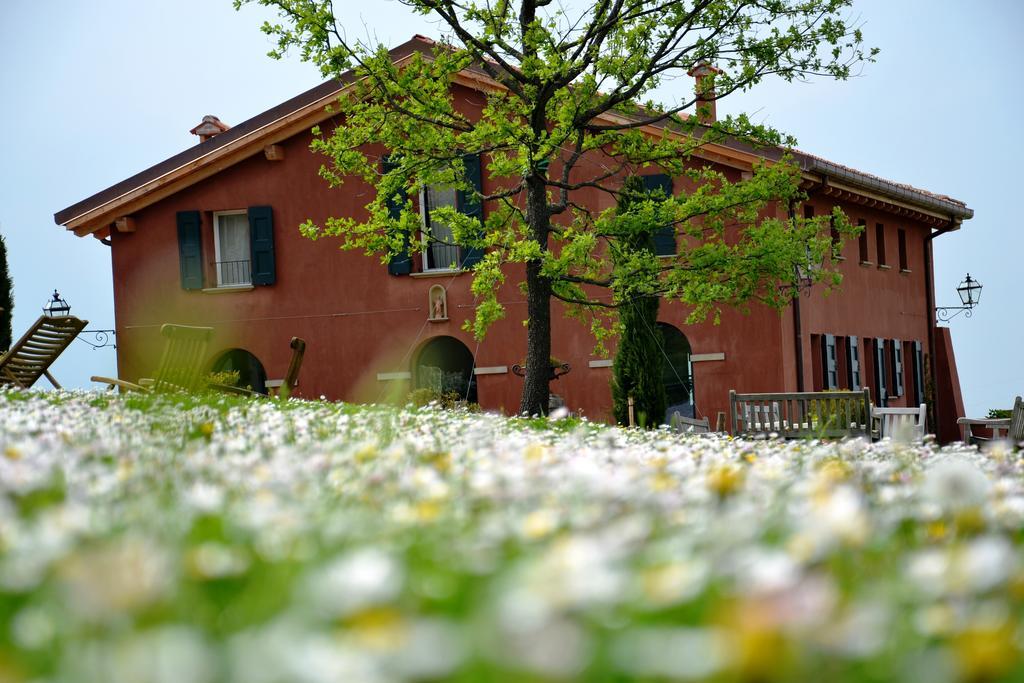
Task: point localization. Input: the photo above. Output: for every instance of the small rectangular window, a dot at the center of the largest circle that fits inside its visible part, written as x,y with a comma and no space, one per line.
880,240
808,211
837,240
231,246
901,235
863,241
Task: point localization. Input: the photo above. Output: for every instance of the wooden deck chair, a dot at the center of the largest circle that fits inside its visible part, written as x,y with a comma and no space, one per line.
31,356
279,387
182,365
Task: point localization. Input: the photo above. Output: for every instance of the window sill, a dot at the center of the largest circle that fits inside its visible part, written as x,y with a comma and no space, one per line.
228,289
882,266
905,271
867,264
666,255
838,258
445,272
437,320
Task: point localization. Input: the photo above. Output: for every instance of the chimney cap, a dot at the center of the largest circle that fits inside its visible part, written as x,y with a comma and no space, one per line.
702,69
208,127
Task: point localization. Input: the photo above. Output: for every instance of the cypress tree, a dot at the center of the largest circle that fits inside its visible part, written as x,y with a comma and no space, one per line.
6,298
637,368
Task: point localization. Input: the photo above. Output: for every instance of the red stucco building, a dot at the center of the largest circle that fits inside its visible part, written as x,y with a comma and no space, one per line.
209,237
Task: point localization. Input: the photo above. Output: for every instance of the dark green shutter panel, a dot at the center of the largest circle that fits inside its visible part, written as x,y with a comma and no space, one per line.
470,205
190,249
401,263
897,367
918,374
664,237
828,349
853,363
261,245
881,395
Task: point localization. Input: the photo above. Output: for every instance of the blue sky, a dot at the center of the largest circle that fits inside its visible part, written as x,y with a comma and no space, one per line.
97,91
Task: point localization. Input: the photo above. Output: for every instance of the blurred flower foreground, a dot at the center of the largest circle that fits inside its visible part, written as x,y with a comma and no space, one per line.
184,539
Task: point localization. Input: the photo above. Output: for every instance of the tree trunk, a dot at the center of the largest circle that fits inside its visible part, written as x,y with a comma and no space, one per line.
536,391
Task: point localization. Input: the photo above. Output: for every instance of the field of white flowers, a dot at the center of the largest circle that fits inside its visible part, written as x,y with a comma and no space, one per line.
198,540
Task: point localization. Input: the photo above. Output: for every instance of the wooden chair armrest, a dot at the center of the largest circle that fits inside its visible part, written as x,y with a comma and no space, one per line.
995,424
111,383
230,389
1003,422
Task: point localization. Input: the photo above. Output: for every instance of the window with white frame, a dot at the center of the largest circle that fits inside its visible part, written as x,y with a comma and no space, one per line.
231,243
439,249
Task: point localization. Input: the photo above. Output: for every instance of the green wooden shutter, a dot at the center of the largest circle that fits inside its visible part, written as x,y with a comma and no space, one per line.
853,363
470,205
261,245
665,236
881,395
828,348
897,367
918,373
190,249
401,263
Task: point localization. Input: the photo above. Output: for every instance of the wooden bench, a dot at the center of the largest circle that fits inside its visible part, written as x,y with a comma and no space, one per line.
1011,428
689,425
801,415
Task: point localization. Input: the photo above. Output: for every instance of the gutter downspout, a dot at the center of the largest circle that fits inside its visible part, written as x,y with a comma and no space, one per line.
798,333
929,291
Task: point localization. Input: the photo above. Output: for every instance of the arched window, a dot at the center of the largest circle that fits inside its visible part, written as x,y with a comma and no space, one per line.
677,372
250,371
445,365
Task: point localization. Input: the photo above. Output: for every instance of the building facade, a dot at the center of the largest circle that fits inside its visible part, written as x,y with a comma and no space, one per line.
209,237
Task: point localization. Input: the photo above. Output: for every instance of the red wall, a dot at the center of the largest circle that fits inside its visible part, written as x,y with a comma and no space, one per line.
359,321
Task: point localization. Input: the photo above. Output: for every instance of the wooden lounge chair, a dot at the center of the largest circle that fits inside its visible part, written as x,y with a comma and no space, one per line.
281,388
31,356
1011,427
182,365
891,421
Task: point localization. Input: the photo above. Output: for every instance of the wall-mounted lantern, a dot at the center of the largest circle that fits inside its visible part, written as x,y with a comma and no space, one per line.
56,307
970,296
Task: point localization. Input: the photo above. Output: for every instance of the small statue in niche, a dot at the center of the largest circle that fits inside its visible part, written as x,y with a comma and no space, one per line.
438,303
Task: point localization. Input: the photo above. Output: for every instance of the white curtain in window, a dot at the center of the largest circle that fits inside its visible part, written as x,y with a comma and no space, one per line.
441,253
233,254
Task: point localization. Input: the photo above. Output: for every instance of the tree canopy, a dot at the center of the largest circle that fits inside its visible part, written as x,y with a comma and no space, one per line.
573,103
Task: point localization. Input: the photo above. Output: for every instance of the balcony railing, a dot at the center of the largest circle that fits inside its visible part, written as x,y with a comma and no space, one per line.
230,273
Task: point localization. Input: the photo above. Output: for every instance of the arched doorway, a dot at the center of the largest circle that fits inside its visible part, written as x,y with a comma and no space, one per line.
677,372
445,365
250,370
